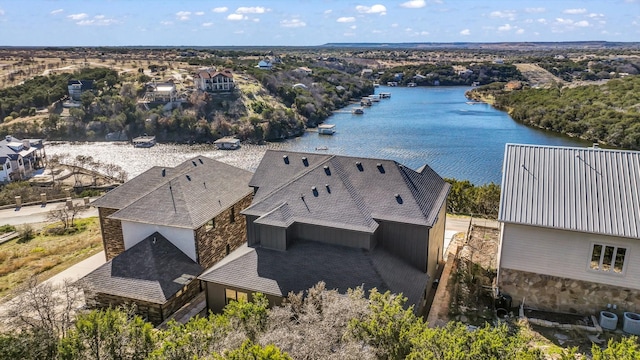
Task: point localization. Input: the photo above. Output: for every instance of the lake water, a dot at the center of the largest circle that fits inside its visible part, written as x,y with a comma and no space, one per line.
415,126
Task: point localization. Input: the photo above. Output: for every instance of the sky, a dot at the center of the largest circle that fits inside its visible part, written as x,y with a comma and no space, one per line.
311,22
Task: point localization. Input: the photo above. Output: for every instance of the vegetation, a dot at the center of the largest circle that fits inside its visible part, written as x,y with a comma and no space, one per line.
468,199
608,114
321,325
448,75
46,252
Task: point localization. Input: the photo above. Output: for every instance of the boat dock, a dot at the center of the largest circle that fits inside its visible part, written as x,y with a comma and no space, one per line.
144,141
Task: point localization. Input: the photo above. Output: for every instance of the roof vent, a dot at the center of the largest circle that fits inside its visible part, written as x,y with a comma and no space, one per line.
188,177
314,191
380,168
164,172
327,170
194,163
305,161
359,166
286,159
200,161
398,198
328,188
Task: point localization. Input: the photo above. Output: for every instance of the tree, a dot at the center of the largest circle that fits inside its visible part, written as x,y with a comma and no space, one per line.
626,349
196,339
250,317
248,350
66,215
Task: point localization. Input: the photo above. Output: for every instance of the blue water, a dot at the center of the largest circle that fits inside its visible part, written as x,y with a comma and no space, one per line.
430,125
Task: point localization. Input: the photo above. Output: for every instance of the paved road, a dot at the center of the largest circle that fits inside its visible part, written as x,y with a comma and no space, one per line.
34,214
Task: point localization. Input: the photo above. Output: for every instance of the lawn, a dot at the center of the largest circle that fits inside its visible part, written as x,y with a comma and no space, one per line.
46,255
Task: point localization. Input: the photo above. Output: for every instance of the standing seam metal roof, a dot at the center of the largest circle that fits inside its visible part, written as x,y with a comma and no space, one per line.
590,190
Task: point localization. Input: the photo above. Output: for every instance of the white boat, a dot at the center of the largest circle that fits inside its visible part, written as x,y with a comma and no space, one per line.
227,143
385,95
326,129
144,141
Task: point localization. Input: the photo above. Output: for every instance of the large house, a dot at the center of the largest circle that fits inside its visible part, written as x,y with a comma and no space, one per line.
19,158
77,87
214,81
162,228
161,92
343,220
570,220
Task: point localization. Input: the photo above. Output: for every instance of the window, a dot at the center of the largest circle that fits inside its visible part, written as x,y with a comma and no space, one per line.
607,258
232,217
233,295
210,225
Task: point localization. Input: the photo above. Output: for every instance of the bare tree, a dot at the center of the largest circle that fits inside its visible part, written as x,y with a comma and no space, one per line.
65,215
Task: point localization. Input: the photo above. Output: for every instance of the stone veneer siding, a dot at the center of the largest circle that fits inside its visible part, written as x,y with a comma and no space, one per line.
551,293
211,246
153,312
112,238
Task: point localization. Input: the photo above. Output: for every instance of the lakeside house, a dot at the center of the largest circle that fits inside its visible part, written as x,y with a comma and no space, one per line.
214,81
77,87
343,220
570,221
161,93
20,158
161,229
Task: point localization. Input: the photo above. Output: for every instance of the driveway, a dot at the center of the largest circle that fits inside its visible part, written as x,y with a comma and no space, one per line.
34,214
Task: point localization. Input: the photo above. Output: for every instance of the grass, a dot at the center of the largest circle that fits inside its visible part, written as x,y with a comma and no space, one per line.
46,255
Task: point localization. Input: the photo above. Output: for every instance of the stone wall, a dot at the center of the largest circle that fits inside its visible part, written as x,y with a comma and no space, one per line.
112,238
211,245
152,312
551,293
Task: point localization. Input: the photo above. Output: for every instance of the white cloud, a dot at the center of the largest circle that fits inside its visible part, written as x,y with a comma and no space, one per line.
353,27
255,19
595,16
520,31
293,23
54,12
571,24
166,23
424,33
414,4
346,19
199,13
542,21
375,9
327,12
220,9
207,24
535,10
583,23
506,14
98,20
465,32
1,12
183,15
574,11
251,10
236,17
505,27
79,16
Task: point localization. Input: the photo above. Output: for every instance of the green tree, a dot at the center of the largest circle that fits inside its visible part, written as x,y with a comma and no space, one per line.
198,338
250,317
250,351
625,349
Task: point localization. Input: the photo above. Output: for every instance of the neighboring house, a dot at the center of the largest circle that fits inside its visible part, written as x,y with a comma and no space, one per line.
304,70
192,211
77,87
161,92
343,220
265,64
19,158
570,221
214,81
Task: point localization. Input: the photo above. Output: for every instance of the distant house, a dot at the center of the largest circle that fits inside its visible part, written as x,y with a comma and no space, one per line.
77,87
366,72
343,220
214,81
162,228
304,70
161,92
19,158
570,221
265,65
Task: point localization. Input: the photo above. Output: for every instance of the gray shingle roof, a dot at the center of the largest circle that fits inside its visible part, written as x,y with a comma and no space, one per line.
149,271
579,189
345,192
305,263
187,196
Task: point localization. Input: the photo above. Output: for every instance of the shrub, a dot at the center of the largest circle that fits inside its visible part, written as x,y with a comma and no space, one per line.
26,233
7,229
8,119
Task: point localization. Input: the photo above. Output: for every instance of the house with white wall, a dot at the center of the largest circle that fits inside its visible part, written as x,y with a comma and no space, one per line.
20,158
570,221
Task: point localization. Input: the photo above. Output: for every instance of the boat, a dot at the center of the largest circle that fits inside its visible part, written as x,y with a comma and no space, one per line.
376,85
357,111
227,143
326,129
385,95
374,98
366,101
144,141
392,83
411,84
322,148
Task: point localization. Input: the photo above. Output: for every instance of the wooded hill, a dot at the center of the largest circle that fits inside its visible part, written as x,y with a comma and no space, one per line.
608,114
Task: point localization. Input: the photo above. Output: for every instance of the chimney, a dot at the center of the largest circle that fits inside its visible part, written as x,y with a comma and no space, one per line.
286,159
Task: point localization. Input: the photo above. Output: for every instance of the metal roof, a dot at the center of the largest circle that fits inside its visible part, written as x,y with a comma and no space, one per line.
590,190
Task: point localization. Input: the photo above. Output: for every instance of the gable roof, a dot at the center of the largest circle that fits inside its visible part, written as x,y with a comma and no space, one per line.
187,196
588,190
305,263
153,270
11,147
321,189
